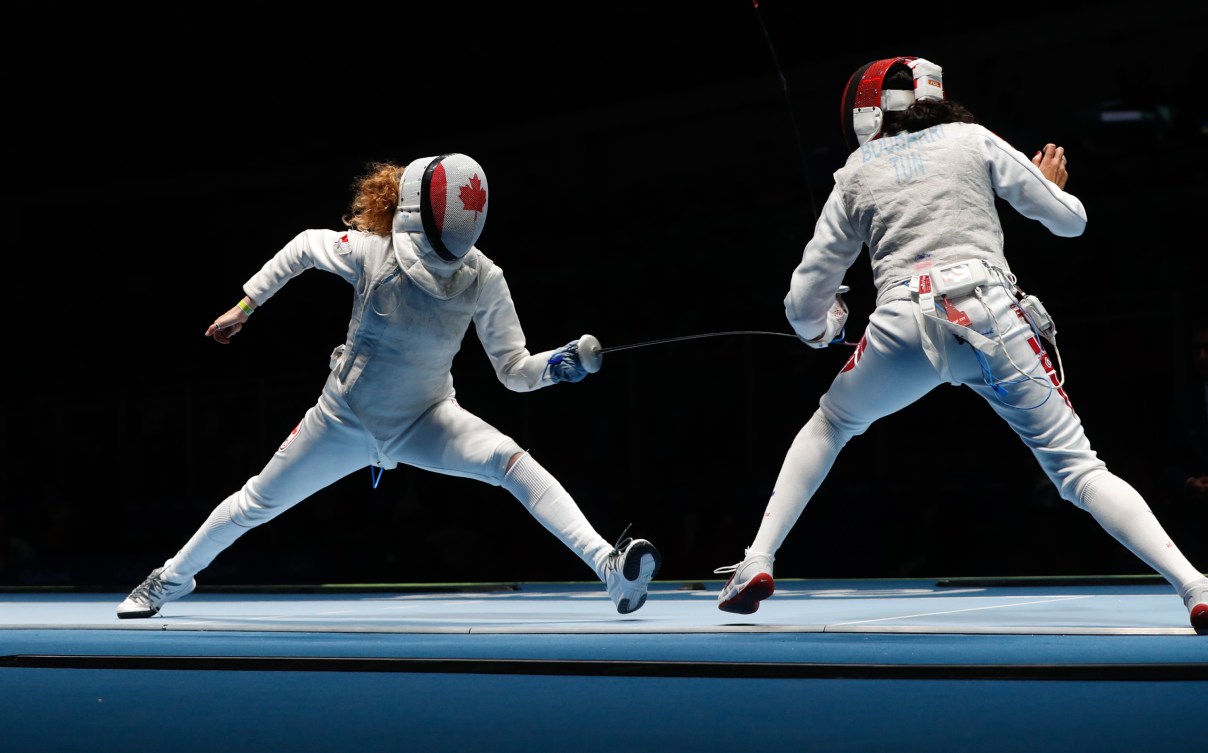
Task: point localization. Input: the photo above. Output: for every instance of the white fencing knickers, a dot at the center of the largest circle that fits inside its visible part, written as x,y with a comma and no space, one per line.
330,443
903,356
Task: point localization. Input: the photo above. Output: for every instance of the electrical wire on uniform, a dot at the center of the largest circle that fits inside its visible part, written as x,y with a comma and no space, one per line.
1042,326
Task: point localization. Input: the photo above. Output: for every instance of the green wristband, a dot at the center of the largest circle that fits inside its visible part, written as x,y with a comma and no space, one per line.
246,308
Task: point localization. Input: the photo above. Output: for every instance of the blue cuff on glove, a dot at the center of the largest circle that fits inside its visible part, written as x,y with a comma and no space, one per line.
564,365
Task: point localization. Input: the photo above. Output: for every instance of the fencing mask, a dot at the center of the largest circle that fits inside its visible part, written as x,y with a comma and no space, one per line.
866,100
445,199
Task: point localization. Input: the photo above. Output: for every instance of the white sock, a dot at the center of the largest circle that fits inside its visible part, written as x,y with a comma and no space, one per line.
216,534
806,464
1124,514
549,503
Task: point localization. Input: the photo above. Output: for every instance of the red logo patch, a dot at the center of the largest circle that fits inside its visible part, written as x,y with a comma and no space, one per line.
855,356
290,439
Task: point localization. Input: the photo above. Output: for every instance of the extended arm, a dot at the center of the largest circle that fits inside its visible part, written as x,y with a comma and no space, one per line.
499,331
813,305
322,249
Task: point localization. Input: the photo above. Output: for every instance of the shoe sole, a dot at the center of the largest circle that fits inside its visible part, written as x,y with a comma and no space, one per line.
642,567
638,567
142,614
747,600
1199,617
134,615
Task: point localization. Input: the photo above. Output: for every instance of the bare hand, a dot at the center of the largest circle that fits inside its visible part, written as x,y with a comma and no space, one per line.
227,326
1051,161
1197,486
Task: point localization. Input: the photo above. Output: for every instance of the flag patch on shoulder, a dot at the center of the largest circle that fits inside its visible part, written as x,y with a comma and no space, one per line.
341,245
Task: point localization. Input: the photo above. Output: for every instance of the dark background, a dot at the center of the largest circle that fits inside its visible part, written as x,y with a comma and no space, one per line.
652,176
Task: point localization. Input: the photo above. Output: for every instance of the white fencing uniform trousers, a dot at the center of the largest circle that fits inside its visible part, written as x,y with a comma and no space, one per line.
330,443
891,369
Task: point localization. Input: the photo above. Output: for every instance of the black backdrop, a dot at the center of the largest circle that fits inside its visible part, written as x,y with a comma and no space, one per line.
651,177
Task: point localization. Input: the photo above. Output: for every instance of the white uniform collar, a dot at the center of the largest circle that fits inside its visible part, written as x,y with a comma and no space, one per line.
435,276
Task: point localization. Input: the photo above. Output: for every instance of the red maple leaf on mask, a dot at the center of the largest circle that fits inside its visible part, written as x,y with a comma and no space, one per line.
473,197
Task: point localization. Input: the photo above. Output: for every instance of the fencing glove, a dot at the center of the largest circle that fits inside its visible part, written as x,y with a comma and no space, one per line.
836,322
565,365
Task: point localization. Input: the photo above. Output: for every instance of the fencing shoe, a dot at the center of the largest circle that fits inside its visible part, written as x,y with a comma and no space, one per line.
152,594
750,583
1196,599
630,567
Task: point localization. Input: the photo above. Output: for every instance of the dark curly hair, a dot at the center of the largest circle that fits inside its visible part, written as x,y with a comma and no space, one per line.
924,113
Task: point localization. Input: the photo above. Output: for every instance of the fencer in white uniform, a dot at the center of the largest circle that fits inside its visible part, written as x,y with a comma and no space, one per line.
919,192
419,283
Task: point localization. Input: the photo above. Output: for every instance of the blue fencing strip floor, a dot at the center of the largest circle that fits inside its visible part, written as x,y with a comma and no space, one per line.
1106,665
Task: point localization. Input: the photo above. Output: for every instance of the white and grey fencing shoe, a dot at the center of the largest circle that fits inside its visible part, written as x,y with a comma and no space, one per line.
630,567
152,594
1196,600
750,583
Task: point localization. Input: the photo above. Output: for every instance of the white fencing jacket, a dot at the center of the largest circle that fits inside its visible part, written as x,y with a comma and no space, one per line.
406,325
919,200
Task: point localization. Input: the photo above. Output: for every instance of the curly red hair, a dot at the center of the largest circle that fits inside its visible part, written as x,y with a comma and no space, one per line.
372,211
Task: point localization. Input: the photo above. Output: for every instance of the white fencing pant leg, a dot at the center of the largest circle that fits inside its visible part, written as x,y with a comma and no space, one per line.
327,445
887,371
450,440
1043,416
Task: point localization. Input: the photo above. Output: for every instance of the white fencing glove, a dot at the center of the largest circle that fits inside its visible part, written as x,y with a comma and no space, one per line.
836,322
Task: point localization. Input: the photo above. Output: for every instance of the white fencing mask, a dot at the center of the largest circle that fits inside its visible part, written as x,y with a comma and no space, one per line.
443,198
